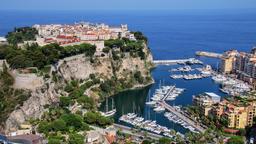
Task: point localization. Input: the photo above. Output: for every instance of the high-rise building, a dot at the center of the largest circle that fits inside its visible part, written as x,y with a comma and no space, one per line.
227,61
240,63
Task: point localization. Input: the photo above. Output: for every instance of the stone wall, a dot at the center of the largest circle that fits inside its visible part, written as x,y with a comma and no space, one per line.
26,81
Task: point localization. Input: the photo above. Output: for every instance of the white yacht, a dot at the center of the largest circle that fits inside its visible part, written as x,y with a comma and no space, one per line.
159,109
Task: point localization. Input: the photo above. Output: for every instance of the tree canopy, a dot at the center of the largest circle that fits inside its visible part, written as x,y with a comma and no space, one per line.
22,34
37,56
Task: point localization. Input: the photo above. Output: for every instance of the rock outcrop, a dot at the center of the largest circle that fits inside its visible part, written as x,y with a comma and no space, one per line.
76,67
33,107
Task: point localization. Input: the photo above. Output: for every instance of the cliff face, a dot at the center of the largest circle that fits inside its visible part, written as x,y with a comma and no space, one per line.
77,67
80,67
32,108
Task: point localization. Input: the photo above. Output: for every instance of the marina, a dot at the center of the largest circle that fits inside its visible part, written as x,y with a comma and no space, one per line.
231,86
168,93
182,69
176,113
189,76
162,94
178,117
149,125
172,117
162,101
204,73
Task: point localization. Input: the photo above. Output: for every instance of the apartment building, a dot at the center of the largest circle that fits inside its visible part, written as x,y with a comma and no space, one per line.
205,101
239,113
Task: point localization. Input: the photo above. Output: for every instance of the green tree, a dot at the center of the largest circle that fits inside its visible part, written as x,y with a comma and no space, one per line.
86,102
59,125
65,101
138,76
235,140
106,50
164,140
139,36
146,142
76,139
43,127
75,121
54,141
22,34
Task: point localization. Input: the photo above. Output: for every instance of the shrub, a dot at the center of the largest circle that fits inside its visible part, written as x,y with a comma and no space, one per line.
76,139
65,101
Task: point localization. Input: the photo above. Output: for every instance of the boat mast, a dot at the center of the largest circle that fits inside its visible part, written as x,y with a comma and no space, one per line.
149,95
217,67
112,103
133,107
107,105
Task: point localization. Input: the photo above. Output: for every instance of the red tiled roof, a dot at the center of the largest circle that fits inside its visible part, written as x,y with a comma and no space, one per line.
228,130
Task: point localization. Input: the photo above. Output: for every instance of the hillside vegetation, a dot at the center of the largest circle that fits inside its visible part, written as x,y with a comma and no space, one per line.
22,34
10,98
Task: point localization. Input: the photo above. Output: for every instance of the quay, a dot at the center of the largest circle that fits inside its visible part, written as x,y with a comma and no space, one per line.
209,54
178,61
179,114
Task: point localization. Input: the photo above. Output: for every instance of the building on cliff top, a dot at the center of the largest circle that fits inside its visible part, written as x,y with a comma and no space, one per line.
80,33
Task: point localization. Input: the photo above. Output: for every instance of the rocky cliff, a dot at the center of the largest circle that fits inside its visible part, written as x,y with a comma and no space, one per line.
77,67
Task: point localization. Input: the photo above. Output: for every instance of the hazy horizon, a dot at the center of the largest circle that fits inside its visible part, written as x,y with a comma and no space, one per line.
126,5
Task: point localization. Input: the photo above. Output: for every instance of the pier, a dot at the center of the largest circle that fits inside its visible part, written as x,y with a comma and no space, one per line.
179,113
178,61
181,116
209,54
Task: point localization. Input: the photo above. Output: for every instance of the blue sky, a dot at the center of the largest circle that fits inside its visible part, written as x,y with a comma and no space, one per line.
125,4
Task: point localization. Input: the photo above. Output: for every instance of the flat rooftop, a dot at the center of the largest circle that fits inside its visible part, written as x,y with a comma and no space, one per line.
212,94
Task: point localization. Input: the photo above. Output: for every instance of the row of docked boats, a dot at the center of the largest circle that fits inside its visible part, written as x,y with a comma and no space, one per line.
175,119
230,85
204,72
189,76
175,93
149,125
166,93
182,69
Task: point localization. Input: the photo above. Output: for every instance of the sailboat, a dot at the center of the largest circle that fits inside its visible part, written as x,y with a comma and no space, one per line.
111,112
149,102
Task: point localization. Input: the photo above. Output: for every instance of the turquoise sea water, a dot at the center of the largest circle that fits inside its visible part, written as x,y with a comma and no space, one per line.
172,35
